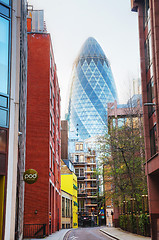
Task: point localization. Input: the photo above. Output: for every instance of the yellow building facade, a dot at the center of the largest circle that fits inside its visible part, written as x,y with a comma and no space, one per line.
69,186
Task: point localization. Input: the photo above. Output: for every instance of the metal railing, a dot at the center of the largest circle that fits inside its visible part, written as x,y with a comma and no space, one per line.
34,230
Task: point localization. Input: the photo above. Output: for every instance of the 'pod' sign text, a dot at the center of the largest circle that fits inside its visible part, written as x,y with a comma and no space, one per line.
30,176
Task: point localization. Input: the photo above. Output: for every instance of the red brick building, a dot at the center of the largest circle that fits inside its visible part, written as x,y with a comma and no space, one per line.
148,18
43,140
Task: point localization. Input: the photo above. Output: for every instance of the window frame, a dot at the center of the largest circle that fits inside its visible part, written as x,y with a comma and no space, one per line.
153,140
6,95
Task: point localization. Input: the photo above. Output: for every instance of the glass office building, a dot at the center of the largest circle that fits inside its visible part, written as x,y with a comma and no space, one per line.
91,89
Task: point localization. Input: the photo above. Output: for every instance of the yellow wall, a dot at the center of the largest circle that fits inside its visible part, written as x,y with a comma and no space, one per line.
74,199
2,185
67,181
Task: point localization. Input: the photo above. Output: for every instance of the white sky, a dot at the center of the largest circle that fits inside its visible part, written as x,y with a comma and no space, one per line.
110,22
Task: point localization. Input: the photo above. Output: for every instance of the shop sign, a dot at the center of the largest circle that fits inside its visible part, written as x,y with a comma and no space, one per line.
30,176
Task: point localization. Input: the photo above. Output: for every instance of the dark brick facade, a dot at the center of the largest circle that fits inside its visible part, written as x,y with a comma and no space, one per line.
148,18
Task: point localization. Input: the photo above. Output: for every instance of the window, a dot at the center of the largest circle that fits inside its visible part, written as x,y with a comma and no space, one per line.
153,140
51,92
92,160
53,127
150,96
121,122
81,147
77,147
81,205
4,56
80,185
93,193
147,54
50,60
81,158
77,172
53,159
81,172
146,12
71,210
92,168
63,207
4,64
67,207
135,121
76,158
93,184
50,124
5,1
3,117
68,214
93,201
3,140
50,156
92,176
114,122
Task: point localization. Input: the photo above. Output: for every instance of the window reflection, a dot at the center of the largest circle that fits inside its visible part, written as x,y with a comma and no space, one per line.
3,140
4,38
5,1
3,117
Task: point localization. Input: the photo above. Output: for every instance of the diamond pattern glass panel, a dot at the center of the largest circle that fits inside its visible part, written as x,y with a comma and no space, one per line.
92,88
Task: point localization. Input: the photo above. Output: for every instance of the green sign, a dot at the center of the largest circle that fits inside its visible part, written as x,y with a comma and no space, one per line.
30,176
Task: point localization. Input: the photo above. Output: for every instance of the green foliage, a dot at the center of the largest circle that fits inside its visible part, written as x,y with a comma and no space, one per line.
138,224
144,222
122,154
123,221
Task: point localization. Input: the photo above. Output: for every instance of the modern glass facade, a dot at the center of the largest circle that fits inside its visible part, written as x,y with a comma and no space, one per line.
92,88
5,21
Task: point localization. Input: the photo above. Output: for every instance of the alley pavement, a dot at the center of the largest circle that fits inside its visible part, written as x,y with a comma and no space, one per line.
119,234
113,233
59,235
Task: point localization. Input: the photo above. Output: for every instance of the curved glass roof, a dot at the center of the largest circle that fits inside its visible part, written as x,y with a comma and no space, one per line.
92,88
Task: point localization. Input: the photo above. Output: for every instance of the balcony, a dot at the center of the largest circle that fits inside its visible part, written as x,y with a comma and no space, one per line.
79,163
91,205
91,188
91,196
82,195
90,163
90,179
89,171
81,178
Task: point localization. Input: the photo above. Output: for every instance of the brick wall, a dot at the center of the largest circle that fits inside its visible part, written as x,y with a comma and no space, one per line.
43,136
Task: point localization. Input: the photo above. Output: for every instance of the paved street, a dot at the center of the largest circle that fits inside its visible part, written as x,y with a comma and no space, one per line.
101,233
86,234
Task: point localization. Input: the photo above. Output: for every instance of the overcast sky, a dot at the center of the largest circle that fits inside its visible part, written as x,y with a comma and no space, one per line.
110,22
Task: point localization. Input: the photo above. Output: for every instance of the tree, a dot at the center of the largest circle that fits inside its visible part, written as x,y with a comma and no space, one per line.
122,154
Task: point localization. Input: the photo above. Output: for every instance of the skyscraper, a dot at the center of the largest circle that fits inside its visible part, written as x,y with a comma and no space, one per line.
91,89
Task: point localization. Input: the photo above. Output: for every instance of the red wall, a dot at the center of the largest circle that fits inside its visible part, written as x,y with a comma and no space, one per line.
152,162
38,137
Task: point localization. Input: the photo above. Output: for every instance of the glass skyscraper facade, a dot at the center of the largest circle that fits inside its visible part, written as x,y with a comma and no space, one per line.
5,27
92,88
